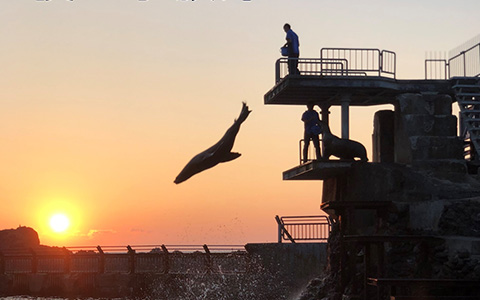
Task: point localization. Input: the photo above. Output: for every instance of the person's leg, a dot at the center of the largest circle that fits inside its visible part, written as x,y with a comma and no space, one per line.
295,64
291,65
306,142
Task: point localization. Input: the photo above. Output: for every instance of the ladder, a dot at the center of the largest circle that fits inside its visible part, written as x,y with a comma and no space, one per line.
467,94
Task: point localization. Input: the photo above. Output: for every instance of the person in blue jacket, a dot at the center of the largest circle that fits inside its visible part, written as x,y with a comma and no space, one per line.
311,120
293,45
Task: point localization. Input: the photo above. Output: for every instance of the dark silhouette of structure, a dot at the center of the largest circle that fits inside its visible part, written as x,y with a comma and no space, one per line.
405,226
218,153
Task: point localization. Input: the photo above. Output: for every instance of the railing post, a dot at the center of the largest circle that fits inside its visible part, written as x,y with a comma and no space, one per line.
167,258
131,259
300,152
208,261
2,263
380,63
67,260
280,229
277,71
101,260
34,261
426,70
447,69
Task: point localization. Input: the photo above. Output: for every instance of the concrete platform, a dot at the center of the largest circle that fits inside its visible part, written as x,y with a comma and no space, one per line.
318,170
362,91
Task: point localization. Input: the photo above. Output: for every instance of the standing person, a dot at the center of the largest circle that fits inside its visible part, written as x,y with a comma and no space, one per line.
293,50
311,121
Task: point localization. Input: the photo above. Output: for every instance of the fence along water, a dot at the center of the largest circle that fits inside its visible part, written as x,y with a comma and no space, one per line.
189,259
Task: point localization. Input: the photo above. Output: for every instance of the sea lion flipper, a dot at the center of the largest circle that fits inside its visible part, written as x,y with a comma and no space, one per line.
230,156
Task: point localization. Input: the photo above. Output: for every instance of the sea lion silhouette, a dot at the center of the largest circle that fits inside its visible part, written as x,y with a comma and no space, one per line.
341,148
218,153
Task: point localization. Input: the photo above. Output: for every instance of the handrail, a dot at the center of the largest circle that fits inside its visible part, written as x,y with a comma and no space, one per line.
370,60
311,150
303,228
464,64
312,67
436,68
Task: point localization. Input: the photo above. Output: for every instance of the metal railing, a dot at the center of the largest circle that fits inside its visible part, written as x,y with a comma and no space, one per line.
311,151
464,64
312,67
342,62
185,259
303,228
369,61
436,68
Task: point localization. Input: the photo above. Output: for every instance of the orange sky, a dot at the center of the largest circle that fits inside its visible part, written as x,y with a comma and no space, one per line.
104,101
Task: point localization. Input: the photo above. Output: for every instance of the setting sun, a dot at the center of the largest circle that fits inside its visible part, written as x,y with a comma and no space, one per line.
59,223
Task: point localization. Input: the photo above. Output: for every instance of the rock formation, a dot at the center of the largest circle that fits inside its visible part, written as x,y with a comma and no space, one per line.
20,238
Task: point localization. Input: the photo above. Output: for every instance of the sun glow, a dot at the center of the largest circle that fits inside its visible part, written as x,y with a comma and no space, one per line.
59,223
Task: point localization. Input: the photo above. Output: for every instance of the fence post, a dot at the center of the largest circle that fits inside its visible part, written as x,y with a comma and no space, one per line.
67,260
277,71
167,259
2,263
101,260
131,259
208,261
34,261
380,63
280,228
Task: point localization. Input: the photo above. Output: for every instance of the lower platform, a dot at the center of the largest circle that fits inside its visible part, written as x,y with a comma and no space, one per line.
318,170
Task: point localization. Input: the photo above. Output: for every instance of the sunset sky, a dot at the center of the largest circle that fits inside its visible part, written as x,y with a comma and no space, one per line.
104,101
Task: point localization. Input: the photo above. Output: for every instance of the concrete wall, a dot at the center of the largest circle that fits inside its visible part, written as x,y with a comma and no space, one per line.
425,129
299,260
266,271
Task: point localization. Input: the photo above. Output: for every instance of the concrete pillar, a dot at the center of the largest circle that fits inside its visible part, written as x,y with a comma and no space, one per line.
325,113
345,115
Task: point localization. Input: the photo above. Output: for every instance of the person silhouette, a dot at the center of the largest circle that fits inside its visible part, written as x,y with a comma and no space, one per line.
311,122
293,50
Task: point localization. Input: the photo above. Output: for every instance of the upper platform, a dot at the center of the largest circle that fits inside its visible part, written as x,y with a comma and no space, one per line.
360,76
361,90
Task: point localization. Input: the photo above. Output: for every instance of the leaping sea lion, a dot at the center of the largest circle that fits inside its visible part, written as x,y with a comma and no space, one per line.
218,153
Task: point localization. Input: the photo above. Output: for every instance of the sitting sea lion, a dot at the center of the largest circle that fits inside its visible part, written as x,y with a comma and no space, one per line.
220,152
341,148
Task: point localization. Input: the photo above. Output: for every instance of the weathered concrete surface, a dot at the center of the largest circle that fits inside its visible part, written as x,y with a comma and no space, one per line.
395,182
425,129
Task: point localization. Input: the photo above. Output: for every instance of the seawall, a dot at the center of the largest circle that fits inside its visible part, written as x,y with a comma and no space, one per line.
267,271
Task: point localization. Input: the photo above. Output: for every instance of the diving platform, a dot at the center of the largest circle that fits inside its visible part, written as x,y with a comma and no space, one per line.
360,90
318,170
358,76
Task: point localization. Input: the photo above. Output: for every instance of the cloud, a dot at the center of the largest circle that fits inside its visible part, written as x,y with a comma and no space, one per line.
93,233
